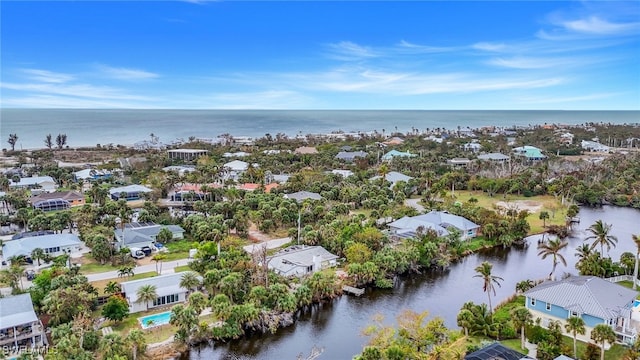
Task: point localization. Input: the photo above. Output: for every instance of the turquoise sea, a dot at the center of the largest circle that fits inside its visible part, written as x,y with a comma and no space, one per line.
88,127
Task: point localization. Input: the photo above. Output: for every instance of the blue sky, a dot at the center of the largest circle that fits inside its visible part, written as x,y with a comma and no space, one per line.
321,55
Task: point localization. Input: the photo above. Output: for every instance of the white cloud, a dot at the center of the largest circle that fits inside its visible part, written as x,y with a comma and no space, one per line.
47,76
535,63
349,51
126,74
75,90
416,48
487,46
597,26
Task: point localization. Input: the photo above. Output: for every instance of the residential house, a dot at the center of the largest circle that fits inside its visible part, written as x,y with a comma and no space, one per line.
350,155
234,169
19,324
52,244
439,221
459,162
253,187
46,183
92,175
167,287
186,154
393,177
301,196
343,173
59,200
566,138
472,146
496,351
306,150
235,154
393,153
300,260
494,157
141,235
594,146
129,193
394,141
530,153
180,169
595,300
188,191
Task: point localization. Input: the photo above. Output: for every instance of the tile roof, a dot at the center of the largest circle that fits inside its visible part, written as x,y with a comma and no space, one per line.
585,295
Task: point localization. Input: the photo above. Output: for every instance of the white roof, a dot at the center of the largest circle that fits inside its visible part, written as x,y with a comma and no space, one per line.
165,285
393,177
26,245
237,165
35,180
16,310
129,188
188,151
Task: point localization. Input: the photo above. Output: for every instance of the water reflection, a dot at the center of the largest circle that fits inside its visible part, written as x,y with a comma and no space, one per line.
337,326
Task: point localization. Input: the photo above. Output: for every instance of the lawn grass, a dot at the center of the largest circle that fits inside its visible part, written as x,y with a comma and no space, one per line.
89,265
181,268
100,284
515,345
548,202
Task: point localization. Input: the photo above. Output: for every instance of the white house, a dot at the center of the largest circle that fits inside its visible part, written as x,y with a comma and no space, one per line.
594,146
167,288
19,324
52,244
438,221
143,234
393,177
45,182
300,260
130,192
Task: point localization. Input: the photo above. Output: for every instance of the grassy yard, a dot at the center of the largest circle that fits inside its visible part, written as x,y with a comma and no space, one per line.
616,352
88,265
102,283
548,203
181,268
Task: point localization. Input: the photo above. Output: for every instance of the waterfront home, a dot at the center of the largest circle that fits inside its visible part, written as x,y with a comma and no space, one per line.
139,235
301,260
129,193
19,325
494,157
59,200
46,183
186,154
301,196
92,175
393,177
52,244
395,153
496,351
350,155
530,153
439,221
594,146
595,300
168,291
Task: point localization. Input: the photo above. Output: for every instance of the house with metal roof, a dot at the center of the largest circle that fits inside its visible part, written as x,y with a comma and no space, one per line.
58,200
351,155
19,325
301,260
167,287
494,157
530,153
594,146
395,153
393,177
301,196
186,154
92,174
439,221
595,300
52,244
139,235
130,192
46,183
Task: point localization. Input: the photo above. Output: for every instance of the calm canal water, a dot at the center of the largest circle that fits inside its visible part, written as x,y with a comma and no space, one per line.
336,327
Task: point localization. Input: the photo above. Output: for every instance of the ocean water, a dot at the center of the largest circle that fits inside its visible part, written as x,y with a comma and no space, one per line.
88,127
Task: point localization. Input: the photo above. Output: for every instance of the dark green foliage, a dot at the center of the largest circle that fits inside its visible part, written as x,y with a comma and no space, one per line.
116,308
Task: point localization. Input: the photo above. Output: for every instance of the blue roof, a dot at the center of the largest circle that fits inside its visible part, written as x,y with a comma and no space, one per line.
25,246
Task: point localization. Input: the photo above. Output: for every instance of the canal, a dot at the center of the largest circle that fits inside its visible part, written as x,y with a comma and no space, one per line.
336,327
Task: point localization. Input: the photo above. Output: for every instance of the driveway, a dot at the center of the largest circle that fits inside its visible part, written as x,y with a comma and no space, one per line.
271,244
414,203
167,268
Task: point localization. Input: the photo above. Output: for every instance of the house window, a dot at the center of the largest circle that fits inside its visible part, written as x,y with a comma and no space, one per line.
548,306
533,302
573,314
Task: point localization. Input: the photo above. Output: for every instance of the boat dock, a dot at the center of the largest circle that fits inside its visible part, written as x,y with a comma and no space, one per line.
352,290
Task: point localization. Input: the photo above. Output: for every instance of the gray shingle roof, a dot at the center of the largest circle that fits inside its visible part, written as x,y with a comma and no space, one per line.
292,260
586,295
16,310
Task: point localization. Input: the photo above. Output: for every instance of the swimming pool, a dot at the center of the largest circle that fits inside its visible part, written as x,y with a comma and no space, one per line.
150,321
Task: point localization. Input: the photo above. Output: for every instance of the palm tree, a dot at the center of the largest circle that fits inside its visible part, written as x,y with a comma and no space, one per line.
520,317
465,320
544,216
112,288
138,343
484,272
602,334
575,326
600,236
552,248
636,240
38,254
158,258
190,281
145,294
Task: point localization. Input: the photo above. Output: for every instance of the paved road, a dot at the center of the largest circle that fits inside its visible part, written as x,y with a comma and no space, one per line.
167,268
271,244
414,204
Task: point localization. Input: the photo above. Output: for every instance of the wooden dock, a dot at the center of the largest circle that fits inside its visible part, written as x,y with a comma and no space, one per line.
352,290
